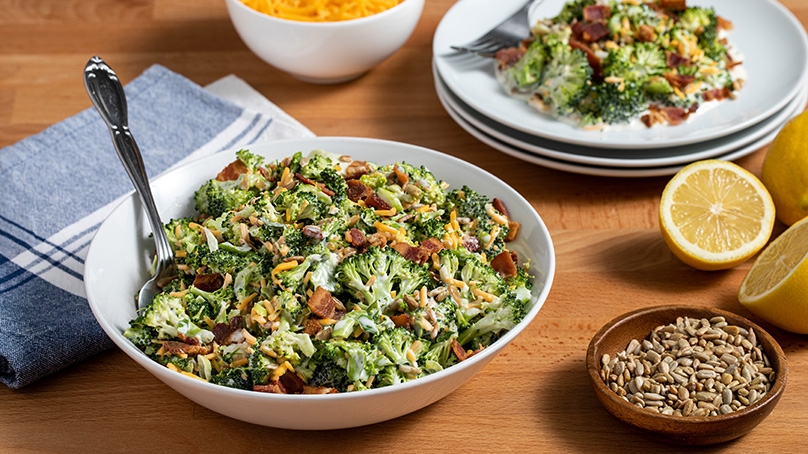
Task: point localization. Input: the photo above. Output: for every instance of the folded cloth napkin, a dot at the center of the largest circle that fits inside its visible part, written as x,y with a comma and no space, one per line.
59,185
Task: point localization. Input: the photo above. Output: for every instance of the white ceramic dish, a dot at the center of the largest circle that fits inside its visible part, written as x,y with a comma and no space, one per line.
772,41
326,52
608,157
567,166
118,259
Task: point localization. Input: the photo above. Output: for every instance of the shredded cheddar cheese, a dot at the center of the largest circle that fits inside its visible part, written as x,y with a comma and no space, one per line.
320,10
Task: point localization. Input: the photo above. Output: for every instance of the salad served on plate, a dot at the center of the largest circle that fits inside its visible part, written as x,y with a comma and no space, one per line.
323,274
603,63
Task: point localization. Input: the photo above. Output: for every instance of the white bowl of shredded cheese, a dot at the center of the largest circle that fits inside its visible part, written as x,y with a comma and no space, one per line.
118,261
322,47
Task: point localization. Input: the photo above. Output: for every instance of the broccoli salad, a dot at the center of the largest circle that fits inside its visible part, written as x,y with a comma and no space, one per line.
604,63
323,274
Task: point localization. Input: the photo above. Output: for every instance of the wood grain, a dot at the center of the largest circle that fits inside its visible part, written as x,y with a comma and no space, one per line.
533,397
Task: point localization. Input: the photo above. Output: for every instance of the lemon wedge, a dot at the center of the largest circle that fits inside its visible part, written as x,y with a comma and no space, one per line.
715,214
776,287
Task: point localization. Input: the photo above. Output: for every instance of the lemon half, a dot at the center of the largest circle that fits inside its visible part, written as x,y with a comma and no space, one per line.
776,287
785,170
715,214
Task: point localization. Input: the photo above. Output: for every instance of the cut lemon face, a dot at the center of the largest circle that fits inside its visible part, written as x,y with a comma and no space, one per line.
715,214
776,287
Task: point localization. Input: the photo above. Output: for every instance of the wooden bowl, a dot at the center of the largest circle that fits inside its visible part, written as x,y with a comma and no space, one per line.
615,336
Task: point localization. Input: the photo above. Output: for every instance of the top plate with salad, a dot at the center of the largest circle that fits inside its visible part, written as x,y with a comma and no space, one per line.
606,63
775,59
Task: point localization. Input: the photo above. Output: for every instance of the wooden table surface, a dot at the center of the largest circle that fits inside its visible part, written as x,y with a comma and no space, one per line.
533,397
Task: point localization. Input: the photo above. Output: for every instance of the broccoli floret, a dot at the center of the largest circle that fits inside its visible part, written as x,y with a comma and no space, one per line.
346,325
428,225
166,314
482,276
225,260
438,356
469,203
289,306
526,73
293,242
635,63
618,102
233,377
372,275
261,367
419,185
141,336
703,22
695,19
331,363
395,343
573,10
499,319
289,345
250,160
200,304
183,364
566,78
216,197
301,203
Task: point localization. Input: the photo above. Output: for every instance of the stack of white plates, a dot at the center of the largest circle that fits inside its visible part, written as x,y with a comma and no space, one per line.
775,50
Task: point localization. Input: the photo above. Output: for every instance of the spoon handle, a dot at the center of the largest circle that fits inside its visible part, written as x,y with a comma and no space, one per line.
107,95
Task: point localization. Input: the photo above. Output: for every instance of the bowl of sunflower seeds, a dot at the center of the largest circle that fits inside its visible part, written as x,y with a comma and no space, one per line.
687,375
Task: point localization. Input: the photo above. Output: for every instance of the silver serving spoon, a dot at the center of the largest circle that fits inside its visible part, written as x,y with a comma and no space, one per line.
108,97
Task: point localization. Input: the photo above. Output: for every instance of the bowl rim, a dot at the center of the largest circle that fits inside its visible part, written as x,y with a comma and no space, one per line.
539,297
593,367
329,24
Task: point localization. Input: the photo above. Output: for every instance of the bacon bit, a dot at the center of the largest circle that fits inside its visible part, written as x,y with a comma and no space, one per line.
208,282
594,32
431,245
223,331
458,350
513,227
312,327
374,201
232,171
322,303
471,243
646,33
593,13
290,383
319,185
716,94
673,5
356,169
594,62
678,80
312,231
402,177
577,29
508,57
181,348
356,237
675,60
499,206
401,320
503,264
724,24
358,190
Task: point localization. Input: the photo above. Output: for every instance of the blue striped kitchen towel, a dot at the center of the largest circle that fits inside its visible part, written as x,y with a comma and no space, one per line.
58,186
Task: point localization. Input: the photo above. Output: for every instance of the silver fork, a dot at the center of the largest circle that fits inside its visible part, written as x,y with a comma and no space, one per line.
108,97
509,33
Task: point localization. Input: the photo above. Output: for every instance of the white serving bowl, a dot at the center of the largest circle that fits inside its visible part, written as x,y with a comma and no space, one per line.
118,260
325,52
